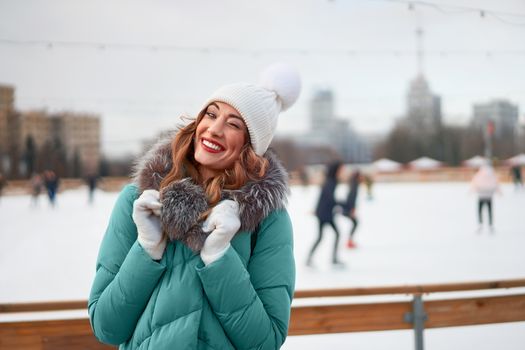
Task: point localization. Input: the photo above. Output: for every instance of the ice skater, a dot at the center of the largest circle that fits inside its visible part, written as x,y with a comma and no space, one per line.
515,172
36,187
91,181
325,212
369,183
52,182
349,207
485,184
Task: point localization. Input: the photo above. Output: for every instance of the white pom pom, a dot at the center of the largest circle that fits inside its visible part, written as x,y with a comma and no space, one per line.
284,80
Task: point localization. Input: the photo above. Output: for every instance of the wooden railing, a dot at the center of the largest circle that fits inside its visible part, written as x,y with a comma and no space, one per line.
412,314
323,318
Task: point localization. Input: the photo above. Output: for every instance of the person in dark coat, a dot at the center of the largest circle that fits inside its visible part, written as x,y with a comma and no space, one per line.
51,181
349,207
92,180
325,211
515,172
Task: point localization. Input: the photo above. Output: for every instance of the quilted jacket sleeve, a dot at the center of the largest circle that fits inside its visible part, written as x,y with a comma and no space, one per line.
125,276
253,304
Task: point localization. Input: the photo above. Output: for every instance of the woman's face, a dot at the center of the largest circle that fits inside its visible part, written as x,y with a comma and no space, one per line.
219,138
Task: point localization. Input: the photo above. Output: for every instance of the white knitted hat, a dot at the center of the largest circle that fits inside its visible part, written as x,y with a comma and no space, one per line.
259,105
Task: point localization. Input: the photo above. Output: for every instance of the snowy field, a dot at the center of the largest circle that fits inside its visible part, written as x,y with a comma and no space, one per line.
409,233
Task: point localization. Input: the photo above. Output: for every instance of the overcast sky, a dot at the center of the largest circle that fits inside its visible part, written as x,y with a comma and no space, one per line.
141,64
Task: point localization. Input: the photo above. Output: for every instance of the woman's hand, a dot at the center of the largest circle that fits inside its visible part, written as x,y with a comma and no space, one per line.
146,213
223,222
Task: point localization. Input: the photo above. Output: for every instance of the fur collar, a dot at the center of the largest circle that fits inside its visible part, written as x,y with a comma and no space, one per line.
184,201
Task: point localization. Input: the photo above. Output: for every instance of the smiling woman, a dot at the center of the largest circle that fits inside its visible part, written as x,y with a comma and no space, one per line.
178,267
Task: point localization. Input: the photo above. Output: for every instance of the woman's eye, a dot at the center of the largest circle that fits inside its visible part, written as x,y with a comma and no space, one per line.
211,115
235,125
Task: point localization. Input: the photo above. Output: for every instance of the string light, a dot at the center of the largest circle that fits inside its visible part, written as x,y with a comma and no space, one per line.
457,9
54,45
411,4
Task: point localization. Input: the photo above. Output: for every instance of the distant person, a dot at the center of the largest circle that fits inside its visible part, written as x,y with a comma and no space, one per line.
485,184
51,182
198,253
91,181
303,176
3,183
325,212
349,207
36,188
369,183
515,172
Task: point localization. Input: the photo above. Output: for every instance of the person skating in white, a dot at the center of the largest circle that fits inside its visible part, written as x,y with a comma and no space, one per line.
485,184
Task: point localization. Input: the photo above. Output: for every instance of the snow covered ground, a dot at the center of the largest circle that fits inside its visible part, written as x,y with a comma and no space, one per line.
409,233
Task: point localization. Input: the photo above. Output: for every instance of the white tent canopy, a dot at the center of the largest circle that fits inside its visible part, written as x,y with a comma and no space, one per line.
386,165
476,162
424,163
517,159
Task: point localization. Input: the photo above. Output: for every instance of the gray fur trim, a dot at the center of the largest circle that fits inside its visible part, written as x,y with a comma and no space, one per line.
149,170
257,199
184,201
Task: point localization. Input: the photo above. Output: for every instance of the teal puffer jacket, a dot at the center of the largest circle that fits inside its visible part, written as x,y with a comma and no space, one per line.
241,301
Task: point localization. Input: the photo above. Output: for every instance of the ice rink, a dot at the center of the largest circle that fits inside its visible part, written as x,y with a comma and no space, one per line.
409,233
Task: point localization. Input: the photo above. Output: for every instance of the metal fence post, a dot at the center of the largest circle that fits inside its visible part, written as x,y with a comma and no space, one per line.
417,317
